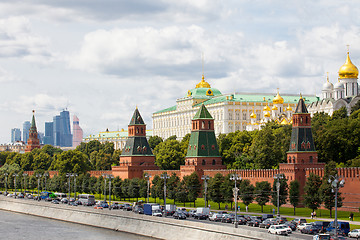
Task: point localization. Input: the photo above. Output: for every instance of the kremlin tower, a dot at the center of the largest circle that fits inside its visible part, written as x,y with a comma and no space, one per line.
33,140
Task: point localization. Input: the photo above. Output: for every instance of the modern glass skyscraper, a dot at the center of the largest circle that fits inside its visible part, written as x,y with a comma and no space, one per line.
49,133
26,128
15,135
61,127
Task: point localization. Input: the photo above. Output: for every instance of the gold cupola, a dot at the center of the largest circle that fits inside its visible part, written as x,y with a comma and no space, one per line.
289,108
348,70
253,115
266,108
274,108
203,84
278,99
267,114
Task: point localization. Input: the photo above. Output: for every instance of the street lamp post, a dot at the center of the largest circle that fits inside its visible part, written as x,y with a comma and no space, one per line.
24,176
38,175
109,176
335,185
104,175
45,175
278,177
75,175
68,175
235,177
205,178
164,176
15,175
6,175
147,177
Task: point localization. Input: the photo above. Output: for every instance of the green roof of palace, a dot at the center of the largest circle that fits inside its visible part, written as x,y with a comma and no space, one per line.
113,135
248,97
202,113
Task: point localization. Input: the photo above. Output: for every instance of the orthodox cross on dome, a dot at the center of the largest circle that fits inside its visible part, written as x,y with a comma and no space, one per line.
327,76
348,46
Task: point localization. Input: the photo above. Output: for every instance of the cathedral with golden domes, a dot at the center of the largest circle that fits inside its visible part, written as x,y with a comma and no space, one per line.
231,112
344,93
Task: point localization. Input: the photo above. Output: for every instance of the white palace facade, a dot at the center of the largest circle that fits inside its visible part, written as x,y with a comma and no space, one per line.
231,112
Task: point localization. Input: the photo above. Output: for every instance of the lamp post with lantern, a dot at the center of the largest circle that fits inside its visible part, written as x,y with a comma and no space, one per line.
235,177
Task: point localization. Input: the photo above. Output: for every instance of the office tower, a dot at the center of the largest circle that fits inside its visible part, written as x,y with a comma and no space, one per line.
26,128
49,133
41,137
15,135
62,133
77,132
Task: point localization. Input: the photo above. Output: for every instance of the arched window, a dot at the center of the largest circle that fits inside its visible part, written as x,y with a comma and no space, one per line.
289,159
209,124
203,125
203,162
294,159
213,162
137,130
311,159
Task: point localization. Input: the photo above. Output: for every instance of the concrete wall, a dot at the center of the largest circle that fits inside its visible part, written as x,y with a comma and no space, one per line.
161,228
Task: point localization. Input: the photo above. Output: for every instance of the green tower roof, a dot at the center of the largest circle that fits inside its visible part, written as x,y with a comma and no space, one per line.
202,113
136,118
301,107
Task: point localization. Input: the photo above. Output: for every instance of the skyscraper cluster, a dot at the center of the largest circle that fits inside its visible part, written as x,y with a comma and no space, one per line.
58,132
15,135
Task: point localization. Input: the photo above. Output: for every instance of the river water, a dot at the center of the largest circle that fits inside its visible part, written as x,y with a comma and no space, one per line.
21,226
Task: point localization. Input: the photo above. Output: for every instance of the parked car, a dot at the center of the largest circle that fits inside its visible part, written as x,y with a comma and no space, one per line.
323,225
20,195
277,229
156,213
354,233
104,204
291,225
98,206
179,215
302,225
342,226
298,221
241,220
288,229
200,216
192,212
267,223
266,216
29,196
127,207
227,218
281,220
64,200
73,204
310,229
115,206
254,221
55,201
215,217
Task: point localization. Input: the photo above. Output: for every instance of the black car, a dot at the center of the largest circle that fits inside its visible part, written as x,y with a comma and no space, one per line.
267,223
281,220
266,216
311,229
241,220
227,218
179,215
115,206
291,225
200,216
127,207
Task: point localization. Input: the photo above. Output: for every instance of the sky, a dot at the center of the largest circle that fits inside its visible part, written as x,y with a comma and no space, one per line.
101,59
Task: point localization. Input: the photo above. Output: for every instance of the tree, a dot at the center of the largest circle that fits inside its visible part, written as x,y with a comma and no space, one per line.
185,142
171,185
173,137
193,187
182,191
227,190
262,150
246,190
326,191
283,193
71,161
169,155
117,191
312,197
41,161
215,193
154,141
51,150
157,187
339,114
262,190
294,193
133,188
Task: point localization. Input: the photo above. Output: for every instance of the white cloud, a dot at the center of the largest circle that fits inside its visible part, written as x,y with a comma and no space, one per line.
17,41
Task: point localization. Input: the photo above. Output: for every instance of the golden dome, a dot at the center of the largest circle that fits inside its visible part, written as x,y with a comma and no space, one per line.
274,107
289,108
348,70
203,84
284,121
266,108
267,114
253,115
278,99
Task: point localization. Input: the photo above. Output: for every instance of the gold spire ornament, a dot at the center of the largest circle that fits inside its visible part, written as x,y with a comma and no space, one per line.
203,84
348,70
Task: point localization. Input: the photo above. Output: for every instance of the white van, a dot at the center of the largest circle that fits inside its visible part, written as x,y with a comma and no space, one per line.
86,199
